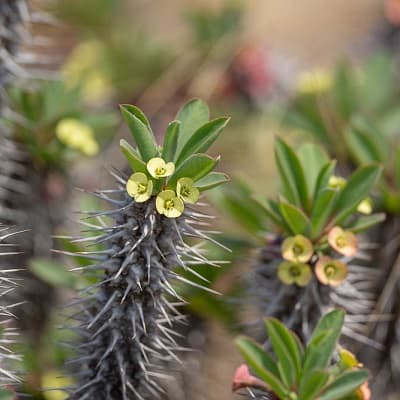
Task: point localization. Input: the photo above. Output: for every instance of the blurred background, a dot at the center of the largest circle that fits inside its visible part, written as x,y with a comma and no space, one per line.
249,60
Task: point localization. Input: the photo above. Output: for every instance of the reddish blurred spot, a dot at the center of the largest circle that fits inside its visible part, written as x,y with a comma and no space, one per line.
242,378
392,11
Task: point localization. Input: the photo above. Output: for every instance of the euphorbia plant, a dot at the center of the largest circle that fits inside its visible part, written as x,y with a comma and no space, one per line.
127,315
309,237
316,371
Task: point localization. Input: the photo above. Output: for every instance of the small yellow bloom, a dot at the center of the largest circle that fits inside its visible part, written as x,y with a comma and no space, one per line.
54,379
365,207
297,249
158,168
291,272
344,242
330,272
337,182
348,360
314,82
139,187
77,135
168,204
186,191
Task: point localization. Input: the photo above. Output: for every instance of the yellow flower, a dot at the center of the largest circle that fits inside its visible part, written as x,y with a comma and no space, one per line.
139,187
330,272
344,242
168,204
291,272
77,135
348,360
337,182
186,191
365,207
159,169
314,82
297,249
54,379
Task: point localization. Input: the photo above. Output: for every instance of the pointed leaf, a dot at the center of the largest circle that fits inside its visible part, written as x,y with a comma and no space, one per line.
312,384
365,222
192,116
323,178
357,189
261,363
195,167
313,158
203,138
171,141
344,384
322,210
132,156
140,131
52,272
212,180
286,344
323,341
291,174
295,218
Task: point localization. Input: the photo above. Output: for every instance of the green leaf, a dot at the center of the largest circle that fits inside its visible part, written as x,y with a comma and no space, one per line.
212,180
365,145
313,158
323,341
357,189
344,384
138,113
323,178
295,218
52,272
287,348
132,156
262,364
203,138
195,167
312,384
365,222
192,116
140,131
322,210
291,174
271,209
171,141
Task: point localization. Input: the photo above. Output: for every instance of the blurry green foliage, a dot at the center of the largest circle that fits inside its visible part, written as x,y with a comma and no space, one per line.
353,111
36,113
208,26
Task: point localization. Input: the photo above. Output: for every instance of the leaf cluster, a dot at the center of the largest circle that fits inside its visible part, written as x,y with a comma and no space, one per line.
300,372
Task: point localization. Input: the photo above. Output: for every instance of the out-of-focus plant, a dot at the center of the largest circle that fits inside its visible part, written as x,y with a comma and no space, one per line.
125,322
306,264
327,101
295,371
354,112
208,26
52,124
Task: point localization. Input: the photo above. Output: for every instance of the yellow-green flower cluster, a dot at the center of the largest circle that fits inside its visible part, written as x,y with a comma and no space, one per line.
301,258
169,202
77,135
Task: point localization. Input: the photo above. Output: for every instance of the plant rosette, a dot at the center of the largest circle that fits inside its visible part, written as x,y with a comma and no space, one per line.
176,173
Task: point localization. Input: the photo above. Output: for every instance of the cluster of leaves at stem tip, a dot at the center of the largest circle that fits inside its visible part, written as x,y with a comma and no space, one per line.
296,372
353,111
178,171
318,214
50,119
